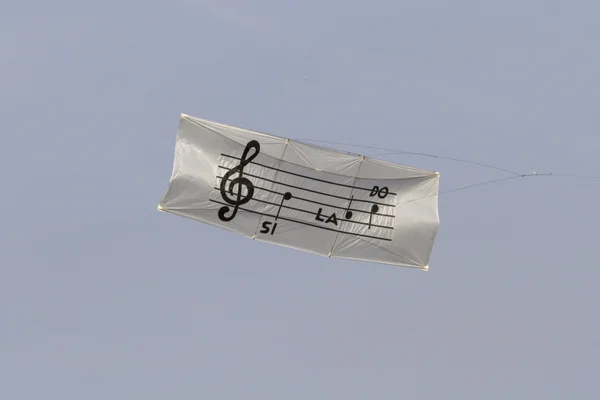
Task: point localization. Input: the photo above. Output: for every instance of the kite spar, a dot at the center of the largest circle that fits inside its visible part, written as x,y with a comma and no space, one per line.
307,197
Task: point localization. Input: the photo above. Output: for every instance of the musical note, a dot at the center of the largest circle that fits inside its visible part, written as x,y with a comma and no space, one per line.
374,209
240,181
286,197
348,212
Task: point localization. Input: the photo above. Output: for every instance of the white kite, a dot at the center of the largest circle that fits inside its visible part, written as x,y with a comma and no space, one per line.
303,196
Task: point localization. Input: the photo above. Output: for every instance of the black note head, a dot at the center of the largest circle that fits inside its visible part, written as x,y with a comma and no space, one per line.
374,208
348,214
287,196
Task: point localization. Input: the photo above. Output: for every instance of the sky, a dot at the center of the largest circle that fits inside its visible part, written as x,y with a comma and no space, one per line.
104,297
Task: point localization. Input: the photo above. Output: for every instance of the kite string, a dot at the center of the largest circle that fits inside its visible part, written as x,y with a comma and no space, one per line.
392,151
481,184
513,173
516,174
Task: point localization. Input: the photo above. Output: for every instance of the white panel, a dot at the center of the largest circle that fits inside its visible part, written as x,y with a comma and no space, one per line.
389,214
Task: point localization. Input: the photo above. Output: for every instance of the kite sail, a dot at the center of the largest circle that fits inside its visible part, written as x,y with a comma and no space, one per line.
303,196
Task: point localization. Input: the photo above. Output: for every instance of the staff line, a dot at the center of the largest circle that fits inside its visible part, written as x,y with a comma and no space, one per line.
314,213
313,191
314,201
303,223
304,176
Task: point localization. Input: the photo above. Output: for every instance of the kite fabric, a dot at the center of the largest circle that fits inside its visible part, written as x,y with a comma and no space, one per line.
303,196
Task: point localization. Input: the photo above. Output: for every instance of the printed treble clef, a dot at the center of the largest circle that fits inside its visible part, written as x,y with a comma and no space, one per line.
239,181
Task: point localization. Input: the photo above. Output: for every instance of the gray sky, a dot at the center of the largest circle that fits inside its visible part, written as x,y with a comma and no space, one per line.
103,297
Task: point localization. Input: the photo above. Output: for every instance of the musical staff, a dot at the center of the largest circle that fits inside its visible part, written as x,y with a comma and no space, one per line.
241,190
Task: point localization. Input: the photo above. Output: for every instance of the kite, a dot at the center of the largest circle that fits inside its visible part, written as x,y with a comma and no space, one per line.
303,196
